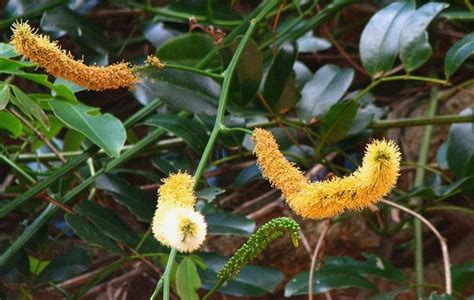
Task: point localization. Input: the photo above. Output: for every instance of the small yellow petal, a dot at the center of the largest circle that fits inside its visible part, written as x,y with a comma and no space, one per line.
177,190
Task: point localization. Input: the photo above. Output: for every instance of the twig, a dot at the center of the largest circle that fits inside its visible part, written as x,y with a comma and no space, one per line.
319,245
46,197
441,239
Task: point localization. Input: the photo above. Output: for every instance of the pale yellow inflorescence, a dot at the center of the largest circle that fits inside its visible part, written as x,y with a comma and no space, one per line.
373,180
176,224
59,63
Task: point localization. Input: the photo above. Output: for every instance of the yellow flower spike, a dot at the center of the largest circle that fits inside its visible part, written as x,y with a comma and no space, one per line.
374,179
180,228
177,190
280,172
59,63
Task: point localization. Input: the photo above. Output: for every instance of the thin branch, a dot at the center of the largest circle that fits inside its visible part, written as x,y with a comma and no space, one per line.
319,245
441,239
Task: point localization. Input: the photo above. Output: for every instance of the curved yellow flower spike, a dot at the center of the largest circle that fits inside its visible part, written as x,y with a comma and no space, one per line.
176,224
374,179
59,63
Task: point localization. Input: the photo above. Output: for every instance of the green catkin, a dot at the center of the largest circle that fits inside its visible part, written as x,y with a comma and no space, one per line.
260,240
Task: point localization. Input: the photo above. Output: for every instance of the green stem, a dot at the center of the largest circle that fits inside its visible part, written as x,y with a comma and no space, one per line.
195,70
419,177
18,169
214,289
428,121
167,275
416,78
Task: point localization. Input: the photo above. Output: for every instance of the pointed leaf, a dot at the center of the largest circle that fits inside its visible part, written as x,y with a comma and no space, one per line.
4,95
67,265
186,49
458,53
105,130
460,152
338,121
379,42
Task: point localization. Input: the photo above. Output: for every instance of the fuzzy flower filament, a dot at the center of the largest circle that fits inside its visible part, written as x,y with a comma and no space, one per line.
59,63
373,180
176,224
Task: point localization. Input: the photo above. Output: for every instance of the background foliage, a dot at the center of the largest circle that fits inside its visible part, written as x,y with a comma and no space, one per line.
80,169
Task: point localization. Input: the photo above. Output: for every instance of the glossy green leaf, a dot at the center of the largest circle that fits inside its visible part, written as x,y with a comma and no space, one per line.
326,281
279,90
227,223
10,123
4,95
253,281
69,264
248,75
142,204
324,90
80,28
462,276
90,233
106,131
415,49
460,152
186,49
458,53
180,90
379,42
308,43
191,131
187,280
29,107
108,222
337,122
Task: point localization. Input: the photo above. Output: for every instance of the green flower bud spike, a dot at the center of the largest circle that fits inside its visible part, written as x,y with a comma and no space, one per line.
255,245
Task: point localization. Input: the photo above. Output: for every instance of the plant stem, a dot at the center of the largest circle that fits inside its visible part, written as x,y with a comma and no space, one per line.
214,289
417,78
314,258
167,275
410,122
419,177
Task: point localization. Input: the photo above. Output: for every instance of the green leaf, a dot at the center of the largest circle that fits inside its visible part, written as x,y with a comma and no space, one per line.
227,223
71,263
436,296
80,28
337,122
458,53
209,194
326,281
280,91
460,152
192,132
90,233
392,295
379,42
4,95
186,49
415,49
7,50
308,43
139,202
187,280
29,107
463,276
180,90
108,221
248,75
326,88
105,130
253,281
10,123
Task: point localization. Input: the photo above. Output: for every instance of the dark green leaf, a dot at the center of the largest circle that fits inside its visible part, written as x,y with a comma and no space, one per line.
109,222
337,122
180,90
458,53
106,131
10,123
279,90
379,42
460,152
139,202
247,175
436,296
227,223
187,280
29,107
326,88
90,233
191,131
17,269
463,276
415,49
253,281
186,49
67,265
248,75
392,295
79,27
326,281
4,95
209,194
